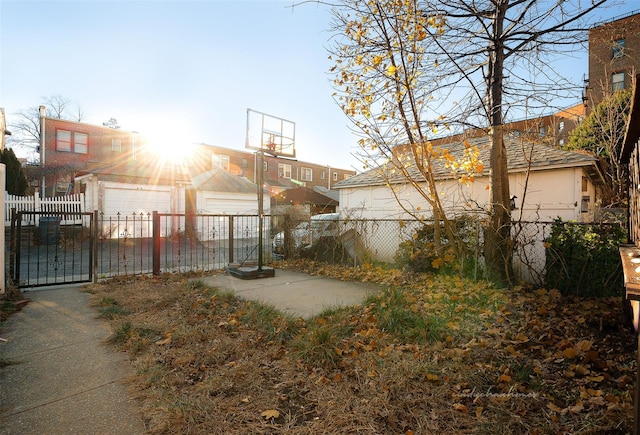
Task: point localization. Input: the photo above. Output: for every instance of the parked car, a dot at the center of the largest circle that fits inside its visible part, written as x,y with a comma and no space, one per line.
307,233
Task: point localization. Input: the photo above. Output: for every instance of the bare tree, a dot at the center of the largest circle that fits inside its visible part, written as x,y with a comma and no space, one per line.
26,125
481,62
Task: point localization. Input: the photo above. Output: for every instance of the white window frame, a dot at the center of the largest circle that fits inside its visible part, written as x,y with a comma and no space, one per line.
63,144
323,175
306,174
617,81
617,51
80,143
224,161
284,170
335,176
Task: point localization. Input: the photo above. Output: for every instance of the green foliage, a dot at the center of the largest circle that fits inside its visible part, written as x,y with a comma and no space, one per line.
419,253
602,132
583,259
16,181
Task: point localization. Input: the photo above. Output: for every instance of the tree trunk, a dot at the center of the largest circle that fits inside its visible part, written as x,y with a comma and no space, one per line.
497,239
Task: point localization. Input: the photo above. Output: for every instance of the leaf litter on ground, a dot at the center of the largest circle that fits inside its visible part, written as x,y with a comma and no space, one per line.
427,353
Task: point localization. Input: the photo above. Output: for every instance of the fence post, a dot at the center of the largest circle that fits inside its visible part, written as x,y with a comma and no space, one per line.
37,204
93,243
156,243
230,239
12,245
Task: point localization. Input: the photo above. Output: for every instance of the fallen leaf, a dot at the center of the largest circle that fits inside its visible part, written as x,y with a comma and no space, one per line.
577,408
460,407
431,377
552,406
270,413
164,342
504,378
570,352
585,345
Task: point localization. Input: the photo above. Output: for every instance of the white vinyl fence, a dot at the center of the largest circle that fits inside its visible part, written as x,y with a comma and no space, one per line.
57,204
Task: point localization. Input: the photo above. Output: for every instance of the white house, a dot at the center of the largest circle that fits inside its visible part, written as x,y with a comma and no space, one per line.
546,183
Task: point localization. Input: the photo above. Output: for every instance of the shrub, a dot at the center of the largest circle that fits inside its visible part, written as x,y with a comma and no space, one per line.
583,259
419,255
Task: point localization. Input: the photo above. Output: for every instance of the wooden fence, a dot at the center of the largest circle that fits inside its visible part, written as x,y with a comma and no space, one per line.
57,204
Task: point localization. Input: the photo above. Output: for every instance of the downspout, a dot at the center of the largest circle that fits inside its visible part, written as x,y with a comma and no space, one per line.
329,177
42,142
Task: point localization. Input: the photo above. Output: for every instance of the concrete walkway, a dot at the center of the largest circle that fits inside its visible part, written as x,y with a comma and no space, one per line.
59,377
296,293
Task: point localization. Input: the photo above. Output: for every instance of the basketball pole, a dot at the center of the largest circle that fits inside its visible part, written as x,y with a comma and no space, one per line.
260,205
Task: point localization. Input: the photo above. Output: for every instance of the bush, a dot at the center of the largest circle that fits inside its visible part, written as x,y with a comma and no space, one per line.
583,259
418,254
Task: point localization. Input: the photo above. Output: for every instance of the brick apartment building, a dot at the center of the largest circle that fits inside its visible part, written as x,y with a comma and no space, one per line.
552,130
279,173
68,148
614,47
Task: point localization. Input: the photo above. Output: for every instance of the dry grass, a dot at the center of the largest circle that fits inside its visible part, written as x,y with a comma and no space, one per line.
427,355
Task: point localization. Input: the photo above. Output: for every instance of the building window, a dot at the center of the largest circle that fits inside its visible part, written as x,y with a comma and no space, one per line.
345,176
223,161
335,176
265,166
617,82
542,131
284,171
585,184
561,142
306,174
116,145
322,175
80,143
584,205
245,163
63,140
618,49
561,126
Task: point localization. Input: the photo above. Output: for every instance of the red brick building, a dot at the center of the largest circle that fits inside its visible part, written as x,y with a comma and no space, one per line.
279,173
614,47
68,147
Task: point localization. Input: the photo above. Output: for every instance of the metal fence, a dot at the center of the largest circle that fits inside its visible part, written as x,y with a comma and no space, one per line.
154,243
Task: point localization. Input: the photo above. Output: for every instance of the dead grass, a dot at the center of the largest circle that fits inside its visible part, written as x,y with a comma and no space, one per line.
426,355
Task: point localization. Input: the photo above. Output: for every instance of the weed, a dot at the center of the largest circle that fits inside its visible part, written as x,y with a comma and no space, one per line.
318,346
109,308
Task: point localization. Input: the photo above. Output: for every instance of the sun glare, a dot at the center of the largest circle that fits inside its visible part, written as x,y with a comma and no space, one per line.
170,147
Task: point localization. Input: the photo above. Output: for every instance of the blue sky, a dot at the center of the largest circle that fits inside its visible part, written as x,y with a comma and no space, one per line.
193,67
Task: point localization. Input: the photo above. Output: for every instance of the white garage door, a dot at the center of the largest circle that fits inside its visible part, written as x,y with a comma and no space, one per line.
127,201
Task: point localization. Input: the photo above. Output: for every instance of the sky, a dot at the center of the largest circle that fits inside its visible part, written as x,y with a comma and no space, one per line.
189,68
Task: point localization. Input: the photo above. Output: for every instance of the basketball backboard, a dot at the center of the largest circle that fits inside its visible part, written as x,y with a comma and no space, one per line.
273,135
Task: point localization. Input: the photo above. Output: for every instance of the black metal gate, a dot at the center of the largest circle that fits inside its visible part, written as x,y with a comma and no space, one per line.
51,248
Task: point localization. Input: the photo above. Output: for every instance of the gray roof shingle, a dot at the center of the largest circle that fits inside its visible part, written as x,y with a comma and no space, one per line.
518,154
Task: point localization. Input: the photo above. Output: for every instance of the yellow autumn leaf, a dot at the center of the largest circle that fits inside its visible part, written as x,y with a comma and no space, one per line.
391,70
270,413
570,352
595,378
431,377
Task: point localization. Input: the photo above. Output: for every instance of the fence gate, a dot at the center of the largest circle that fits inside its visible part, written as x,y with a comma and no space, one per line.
51,248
